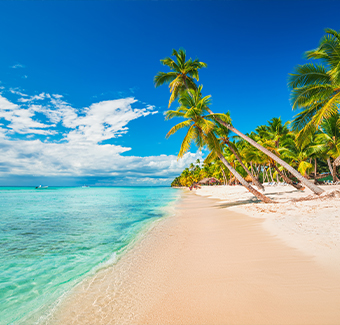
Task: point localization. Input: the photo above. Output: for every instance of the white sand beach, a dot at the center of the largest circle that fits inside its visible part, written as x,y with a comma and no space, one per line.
299,218
208,264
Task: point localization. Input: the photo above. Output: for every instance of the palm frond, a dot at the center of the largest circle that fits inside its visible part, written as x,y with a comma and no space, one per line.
171,114
189,137
310,95
210,158
303,118
327,110
308,74
164,78
174,129
171,64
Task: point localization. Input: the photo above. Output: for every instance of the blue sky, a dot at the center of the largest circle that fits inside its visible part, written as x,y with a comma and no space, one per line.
78,104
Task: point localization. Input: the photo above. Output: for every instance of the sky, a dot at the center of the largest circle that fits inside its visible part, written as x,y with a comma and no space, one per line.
77,99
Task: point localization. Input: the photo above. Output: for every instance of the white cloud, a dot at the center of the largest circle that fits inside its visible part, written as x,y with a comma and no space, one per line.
79,152
104,120
37,158
17,92
32,98
21,119
17,65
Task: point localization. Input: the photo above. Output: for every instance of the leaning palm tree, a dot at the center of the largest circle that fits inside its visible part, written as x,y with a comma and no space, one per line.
185,80
223,134
182,75
193,108
315,87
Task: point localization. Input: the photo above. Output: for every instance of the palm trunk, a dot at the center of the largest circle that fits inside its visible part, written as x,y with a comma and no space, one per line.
315,169
271,175
265,175
258,172
224,177
335,178
330,166
286,179
255,181
337,161
259,195
252,170
317,190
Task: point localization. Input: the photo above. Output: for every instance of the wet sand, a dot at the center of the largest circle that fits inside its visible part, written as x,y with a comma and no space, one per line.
207,265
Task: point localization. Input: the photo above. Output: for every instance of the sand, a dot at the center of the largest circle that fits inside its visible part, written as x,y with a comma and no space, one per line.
207,264
311,225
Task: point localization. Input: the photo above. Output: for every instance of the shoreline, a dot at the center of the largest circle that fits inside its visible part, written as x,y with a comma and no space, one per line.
47,317
207,264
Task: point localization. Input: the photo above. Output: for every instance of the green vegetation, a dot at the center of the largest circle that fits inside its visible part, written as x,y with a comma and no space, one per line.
308,158
291,152
315,87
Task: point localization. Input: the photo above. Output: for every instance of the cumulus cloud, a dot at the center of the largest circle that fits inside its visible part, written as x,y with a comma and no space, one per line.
104,120
78,151
37,158
21,119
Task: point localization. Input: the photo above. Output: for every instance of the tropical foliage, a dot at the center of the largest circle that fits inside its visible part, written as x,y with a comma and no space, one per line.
289,152
310,158
182,75
315,86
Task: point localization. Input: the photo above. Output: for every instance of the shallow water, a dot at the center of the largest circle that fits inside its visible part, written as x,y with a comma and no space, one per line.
50,239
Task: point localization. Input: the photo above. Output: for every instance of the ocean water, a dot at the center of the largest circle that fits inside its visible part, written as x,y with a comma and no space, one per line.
51,239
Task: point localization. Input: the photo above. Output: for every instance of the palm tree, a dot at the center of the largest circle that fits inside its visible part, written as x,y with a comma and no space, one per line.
223,134
182,75
315,87
300,154
256,158
193,107
329,139
274,132
272,136
317,190
185,80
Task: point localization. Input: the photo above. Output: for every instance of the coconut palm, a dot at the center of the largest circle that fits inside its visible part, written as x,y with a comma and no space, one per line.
329,139
272,136
274,131
315,87
193,108
182,74
256,158
223,134
185,81
317,190
300,154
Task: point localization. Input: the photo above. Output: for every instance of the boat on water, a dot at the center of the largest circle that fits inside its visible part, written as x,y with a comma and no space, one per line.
41,187
85,186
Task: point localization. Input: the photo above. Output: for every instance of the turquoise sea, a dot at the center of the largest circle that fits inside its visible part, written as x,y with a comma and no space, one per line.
50,239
